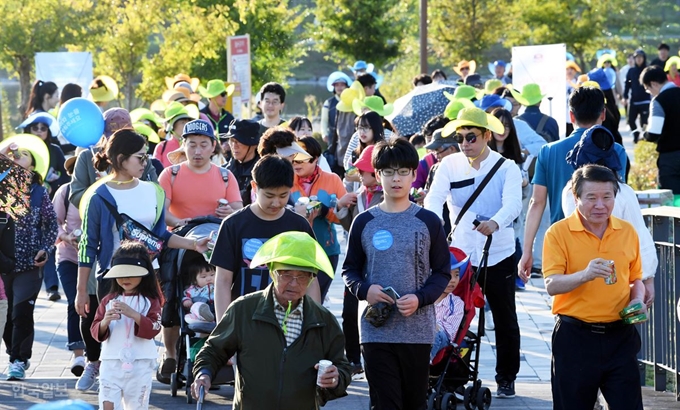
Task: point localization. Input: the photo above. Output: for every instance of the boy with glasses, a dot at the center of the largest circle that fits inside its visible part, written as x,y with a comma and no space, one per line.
494,210
400,245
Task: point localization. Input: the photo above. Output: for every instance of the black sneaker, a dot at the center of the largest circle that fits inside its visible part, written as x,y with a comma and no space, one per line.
536,273
506,390
357,369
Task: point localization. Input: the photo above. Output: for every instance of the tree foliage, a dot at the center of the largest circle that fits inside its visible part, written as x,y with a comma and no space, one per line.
32,26
350,30
465,29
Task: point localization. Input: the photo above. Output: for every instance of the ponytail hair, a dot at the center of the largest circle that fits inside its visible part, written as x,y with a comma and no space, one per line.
38,92
125,142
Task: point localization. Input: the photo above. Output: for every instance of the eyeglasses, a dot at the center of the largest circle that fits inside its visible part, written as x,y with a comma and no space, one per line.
39,128
363,129
142,157
389,172
302,161
303,279
223,94
471,138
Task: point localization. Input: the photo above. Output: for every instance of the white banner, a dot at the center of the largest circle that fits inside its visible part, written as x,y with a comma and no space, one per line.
545,66
64,67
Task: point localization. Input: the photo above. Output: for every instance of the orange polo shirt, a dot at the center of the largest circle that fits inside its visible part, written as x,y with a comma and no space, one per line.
568,248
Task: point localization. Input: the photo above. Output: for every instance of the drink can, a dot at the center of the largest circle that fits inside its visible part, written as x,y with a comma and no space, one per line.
323,365
14,147
77,233
222,202
612,278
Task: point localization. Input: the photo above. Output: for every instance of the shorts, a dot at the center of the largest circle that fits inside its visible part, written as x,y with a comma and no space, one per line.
126,390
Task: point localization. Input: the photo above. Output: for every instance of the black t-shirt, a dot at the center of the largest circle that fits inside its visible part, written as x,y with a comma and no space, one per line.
243,171
239,238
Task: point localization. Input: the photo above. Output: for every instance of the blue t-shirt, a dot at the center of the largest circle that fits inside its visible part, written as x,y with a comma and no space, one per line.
556,175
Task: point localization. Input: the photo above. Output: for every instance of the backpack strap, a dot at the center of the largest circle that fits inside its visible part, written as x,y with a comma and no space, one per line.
225,176
174,170
66,201
541,124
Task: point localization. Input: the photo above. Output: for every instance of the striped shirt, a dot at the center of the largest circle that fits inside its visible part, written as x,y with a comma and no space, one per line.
449,312
293,323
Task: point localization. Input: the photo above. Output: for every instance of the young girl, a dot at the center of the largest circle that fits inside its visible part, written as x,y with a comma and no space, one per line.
127,320
36,232
199,297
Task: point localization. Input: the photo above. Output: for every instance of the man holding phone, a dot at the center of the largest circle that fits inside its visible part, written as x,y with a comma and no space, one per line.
492,213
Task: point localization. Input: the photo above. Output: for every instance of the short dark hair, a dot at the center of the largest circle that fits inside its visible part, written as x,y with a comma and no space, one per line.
196,266
438,72
587,104
296,122
433,124
417,139
651,74
663,46
592,173
124,142
70,91
312,146
395,153
375,122
422,78
366,80
274,88
273,138
272,171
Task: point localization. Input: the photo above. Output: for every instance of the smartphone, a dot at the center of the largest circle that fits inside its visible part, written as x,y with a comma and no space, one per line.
391,292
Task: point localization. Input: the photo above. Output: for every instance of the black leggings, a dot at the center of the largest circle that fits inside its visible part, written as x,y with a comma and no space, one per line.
93,348
22,290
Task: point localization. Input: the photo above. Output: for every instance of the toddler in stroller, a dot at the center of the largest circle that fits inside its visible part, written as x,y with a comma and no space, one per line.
455,354
199,296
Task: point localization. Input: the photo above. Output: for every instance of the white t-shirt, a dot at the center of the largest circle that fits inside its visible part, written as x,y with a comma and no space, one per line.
139,203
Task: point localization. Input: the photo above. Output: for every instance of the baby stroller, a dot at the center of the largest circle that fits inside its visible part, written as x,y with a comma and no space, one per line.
191,339
458,363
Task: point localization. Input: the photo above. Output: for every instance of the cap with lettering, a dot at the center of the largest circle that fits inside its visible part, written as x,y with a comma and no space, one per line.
198,127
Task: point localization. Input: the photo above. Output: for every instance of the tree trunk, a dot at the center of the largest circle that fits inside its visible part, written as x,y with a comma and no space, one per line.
24,67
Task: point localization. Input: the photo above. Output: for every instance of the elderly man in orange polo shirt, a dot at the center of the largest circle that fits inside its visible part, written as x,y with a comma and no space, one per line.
593,348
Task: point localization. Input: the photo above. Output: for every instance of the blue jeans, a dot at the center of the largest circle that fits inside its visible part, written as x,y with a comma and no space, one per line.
50,273
441,340
68,275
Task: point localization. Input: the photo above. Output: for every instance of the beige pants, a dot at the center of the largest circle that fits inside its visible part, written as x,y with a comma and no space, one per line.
126,390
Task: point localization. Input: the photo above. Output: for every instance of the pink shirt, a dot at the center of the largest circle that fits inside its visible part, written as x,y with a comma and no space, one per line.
68,220
163,149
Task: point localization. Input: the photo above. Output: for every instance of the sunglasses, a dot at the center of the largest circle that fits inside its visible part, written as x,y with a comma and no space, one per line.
223,94
142,157
470,138
39,128
302,161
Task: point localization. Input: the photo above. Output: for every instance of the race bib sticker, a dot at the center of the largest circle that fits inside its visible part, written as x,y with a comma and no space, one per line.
382,240
251,247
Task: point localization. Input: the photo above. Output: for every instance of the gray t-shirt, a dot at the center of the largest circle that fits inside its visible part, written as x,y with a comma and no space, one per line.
408,251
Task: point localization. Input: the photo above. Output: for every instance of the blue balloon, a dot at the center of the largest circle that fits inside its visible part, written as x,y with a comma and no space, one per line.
81,122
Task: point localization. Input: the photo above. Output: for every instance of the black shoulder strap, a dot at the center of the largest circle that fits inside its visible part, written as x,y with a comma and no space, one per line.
114,212
541,124
478,191
66,201
225,176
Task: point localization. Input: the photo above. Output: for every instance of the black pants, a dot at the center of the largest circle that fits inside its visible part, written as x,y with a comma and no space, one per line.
325,280
93,348
397,375
669,171
350,326
584,362
22,290
633,111
498,285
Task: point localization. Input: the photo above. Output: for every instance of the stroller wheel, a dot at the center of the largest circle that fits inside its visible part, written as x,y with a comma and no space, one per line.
432,401
173,385
483,398
468,400
448,402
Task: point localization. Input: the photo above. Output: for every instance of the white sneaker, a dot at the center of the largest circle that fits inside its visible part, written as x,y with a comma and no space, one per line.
78,365
89,377
488,320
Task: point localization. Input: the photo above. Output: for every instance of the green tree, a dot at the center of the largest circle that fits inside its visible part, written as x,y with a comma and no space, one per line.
350,30
32,26
465,29
276,46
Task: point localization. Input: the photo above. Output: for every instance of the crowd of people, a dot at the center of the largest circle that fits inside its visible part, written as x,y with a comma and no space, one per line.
490,165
